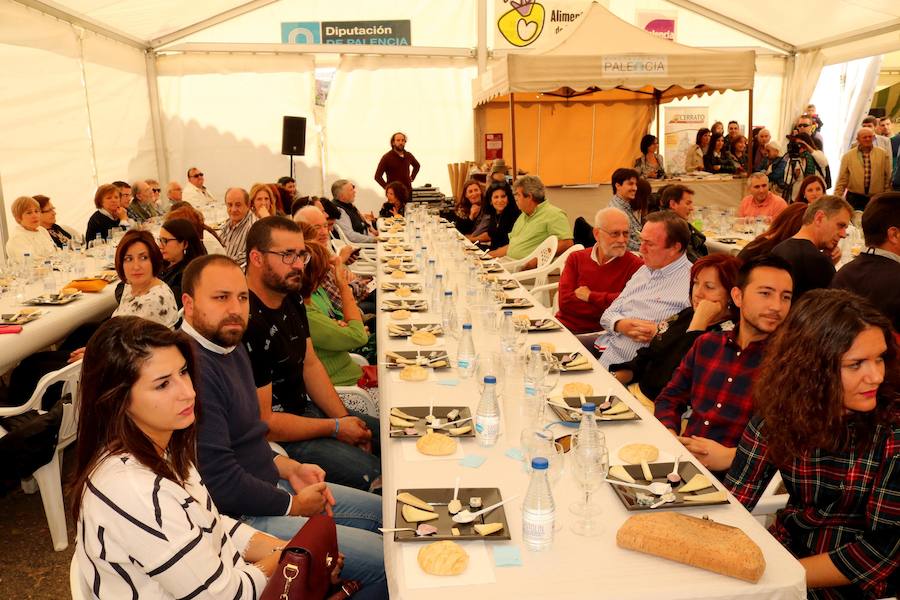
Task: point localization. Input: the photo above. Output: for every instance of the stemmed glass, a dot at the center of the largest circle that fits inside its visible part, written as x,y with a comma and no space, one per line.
590,464
551,373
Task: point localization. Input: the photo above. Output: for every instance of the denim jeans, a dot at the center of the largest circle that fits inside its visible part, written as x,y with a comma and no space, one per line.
343,464
358,517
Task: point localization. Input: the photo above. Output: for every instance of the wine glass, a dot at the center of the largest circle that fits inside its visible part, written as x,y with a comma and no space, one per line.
521,326
551,373
589,464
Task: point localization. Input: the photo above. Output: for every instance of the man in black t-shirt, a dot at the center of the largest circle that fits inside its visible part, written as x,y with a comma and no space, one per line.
813,251
296,397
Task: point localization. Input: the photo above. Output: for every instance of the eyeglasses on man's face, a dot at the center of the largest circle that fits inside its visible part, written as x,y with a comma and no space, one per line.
194,176
289,257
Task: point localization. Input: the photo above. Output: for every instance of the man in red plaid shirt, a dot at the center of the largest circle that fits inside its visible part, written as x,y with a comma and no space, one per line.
715,376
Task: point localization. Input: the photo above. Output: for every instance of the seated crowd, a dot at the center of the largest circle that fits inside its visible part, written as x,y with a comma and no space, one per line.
750,361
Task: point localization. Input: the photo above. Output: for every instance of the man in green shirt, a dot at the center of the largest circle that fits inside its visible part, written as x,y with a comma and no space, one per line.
538,221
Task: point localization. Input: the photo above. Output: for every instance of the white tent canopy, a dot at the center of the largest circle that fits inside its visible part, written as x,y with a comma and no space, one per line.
588,58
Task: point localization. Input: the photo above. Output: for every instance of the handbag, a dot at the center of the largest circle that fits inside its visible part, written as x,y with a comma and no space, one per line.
304,569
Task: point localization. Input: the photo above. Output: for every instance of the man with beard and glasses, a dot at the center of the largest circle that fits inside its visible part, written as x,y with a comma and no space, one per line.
715,376
396,163
592,278
245,478
296,397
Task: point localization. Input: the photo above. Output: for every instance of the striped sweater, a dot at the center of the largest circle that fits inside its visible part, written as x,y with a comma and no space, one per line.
142,536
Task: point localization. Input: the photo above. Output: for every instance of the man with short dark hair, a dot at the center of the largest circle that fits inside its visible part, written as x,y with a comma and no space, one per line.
734,132
124,194
195,191
245,478
396,163
296,397
881,140
624,183
654,293
680,200
539,220
813,251
352,222
240,219
875,273
716,374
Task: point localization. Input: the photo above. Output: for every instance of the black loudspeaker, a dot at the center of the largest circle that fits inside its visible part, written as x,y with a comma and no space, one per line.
293,136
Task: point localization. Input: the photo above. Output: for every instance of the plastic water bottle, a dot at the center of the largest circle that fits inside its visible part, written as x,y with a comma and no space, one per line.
534,368
423,260
587,429
539,511
465,358
430,270
448,314
507,331
437,289
487,415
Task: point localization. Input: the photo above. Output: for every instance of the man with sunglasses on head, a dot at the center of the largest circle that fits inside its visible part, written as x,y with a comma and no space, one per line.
296,397
195,191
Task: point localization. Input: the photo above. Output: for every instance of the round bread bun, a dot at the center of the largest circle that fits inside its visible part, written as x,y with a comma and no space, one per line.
414,373
634,453
403,291
68,291
523,317
577,388
423,338
399,315
394,262
436,444
398,274
548,348
444,558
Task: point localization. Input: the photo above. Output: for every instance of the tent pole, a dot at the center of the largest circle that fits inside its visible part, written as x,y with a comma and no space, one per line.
512,129
159,138
750,148
656,97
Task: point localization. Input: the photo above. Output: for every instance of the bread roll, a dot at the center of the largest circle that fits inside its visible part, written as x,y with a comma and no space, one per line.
399,315
577,388
414,373
403,291
444,558
436,444
633,454
398,274
423,338
696,542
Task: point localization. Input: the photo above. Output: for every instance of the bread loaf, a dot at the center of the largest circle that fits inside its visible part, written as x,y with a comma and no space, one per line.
696,542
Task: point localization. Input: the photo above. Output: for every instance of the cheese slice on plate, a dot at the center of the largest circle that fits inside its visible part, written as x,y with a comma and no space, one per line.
459,430
710,497
407,498
580,361
398,422
697,482
412,514
616,409
619,417
488,528
396,412
619,472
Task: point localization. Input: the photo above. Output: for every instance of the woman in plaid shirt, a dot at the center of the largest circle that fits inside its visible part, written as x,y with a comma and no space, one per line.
827,418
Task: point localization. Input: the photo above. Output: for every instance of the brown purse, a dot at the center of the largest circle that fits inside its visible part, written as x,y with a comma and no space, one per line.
304,570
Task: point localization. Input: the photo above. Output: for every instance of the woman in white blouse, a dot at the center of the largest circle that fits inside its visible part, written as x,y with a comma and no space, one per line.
138,263
146,525
27,235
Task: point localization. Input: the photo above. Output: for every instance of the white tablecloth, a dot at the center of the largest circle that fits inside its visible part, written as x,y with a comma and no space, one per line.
575,567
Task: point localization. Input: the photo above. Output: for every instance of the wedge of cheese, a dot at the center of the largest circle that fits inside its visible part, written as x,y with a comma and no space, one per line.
407,498
697,482
578,362
710,497
616,409
619,417
396,412
645,469
454,531
398,422
412,514
619,472
488,528
459,430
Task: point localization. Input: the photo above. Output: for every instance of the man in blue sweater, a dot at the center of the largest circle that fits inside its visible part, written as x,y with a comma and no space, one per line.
245,478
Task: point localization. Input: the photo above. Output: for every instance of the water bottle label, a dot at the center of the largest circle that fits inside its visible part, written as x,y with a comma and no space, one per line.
537,526
487,428
463,363
530,390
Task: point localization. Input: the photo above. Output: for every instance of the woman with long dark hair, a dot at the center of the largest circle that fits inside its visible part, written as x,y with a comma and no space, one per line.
826,397
716,159
811,189
468,211
650,163
396,196
502,212
179,245
147,526
693,161
783,226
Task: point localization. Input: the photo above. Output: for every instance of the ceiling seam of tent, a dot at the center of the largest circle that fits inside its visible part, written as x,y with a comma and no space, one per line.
79,20
851,37
734,24
212,21
79,34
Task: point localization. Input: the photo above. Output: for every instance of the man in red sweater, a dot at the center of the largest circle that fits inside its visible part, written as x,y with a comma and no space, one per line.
594,277
396,163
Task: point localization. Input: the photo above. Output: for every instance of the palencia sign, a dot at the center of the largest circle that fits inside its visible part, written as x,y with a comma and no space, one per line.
627,64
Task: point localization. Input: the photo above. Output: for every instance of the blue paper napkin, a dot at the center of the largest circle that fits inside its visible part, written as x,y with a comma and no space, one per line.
472,460
448,381
515,454
507,556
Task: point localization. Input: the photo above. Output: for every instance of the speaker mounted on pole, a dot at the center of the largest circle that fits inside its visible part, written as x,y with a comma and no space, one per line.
293,138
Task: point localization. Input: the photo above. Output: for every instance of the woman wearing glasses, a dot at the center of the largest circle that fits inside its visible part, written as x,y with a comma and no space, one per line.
179,245
62,236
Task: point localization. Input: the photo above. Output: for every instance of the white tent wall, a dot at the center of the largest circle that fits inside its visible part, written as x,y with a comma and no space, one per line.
429,99
223,114
60,85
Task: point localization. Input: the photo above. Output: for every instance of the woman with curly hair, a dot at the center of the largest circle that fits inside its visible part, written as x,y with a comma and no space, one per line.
826,397
396,196
468,211
783,226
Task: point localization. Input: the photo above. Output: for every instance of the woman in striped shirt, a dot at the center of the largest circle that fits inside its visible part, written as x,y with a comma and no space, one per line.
146,526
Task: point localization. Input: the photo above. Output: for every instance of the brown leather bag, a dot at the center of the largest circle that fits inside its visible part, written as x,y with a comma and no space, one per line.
304,570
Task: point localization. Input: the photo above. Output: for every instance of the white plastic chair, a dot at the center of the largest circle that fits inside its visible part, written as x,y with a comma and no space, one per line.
547,295
770,502
544,254
362,245
49,476
538,276
78,584
355,390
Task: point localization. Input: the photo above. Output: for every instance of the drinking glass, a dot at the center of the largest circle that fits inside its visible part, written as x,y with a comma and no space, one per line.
589,466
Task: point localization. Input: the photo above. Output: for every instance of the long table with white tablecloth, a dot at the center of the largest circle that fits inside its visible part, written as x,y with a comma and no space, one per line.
575,566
